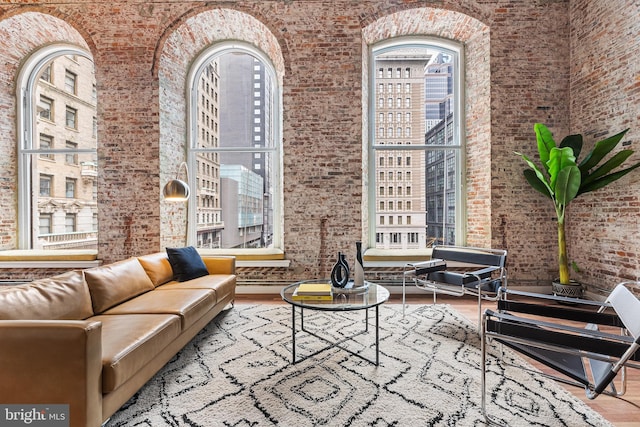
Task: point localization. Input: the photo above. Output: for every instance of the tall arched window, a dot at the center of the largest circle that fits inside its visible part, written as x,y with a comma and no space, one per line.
234,99
432,148
57,158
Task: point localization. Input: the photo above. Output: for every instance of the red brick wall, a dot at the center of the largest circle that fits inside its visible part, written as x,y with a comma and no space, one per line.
539,60
604,227
529,83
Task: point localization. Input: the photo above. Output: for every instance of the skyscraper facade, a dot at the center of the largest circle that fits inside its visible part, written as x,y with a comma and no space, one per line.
64,209
400,124
209,222
441,164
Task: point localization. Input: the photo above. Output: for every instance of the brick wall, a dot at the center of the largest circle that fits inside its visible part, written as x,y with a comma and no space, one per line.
525,62
529,84
604,227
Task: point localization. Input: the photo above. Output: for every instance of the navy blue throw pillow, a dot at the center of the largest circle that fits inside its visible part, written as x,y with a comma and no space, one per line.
186,263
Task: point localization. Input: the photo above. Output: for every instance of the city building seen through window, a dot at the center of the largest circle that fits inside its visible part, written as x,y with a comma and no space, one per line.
57,157
234,151
416,147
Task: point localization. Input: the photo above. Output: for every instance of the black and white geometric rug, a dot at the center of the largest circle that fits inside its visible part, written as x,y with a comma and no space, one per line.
238,372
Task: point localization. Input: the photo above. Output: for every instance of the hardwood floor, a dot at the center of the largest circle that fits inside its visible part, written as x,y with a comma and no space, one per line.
621,412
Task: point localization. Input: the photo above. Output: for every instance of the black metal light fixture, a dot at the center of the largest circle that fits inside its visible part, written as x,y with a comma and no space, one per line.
177,190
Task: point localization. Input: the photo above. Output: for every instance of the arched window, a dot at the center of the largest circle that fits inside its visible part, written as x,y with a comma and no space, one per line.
57,156
432,74
237,198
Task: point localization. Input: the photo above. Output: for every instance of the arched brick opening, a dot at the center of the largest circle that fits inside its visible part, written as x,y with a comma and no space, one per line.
20,36
179,50
474,35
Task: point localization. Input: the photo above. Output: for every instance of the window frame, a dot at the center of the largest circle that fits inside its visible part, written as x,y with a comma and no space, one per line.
49,218
197,67
44,150
70,76
457,49
71,113
45,100
26,92
73,156
70,187
45,177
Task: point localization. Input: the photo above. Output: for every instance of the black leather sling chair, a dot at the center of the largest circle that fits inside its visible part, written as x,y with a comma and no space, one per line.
582,356
458,271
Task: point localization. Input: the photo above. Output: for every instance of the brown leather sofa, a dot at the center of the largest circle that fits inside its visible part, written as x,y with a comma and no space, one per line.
92,338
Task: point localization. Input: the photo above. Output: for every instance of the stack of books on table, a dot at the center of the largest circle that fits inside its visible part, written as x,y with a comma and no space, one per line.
313,292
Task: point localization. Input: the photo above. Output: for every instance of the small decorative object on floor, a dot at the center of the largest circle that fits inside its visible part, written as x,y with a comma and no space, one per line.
571,290
340,272
358,279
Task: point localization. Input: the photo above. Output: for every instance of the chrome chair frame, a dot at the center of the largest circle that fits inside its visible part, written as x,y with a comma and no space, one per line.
458,271
582,356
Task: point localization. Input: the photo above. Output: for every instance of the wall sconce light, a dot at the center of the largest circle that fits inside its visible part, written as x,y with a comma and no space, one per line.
177,190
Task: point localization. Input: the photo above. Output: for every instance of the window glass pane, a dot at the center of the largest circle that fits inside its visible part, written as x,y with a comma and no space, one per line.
64,208
71,118
71,157
235,172
428,195
70,188
70,223
70,82
60,183
46,143
45,224
45,108
46,74
45,185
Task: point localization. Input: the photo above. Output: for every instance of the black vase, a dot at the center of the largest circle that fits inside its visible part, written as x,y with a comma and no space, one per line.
359,267
340,272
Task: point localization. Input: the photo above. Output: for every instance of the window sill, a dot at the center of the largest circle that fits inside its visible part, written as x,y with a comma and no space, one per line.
252,257
24,258
394,257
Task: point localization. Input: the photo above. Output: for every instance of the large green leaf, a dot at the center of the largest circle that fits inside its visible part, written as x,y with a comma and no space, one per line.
559,159
535,177
545,141
574,142
567,185
607,167
606,180
600,150
534,180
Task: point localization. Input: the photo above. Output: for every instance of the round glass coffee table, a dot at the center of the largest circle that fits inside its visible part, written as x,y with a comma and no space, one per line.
342,300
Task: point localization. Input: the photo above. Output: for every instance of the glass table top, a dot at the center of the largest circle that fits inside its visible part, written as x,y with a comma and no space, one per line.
343,300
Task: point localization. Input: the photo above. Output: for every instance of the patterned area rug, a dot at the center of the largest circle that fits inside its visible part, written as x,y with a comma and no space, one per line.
238,372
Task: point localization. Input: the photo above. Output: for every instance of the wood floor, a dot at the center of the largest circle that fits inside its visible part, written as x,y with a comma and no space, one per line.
621,412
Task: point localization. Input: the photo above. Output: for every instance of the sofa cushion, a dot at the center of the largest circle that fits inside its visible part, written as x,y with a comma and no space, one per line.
224,285
130,342
186,263
62,297
114,283
189,304
157,267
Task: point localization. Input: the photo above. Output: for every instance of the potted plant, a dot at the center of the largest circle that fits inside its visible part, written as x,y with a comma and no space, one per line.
563,177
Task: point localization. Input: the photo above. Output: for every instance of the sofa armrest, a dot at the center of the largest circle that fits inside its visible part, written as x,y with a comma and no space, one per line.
220,264
53,362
